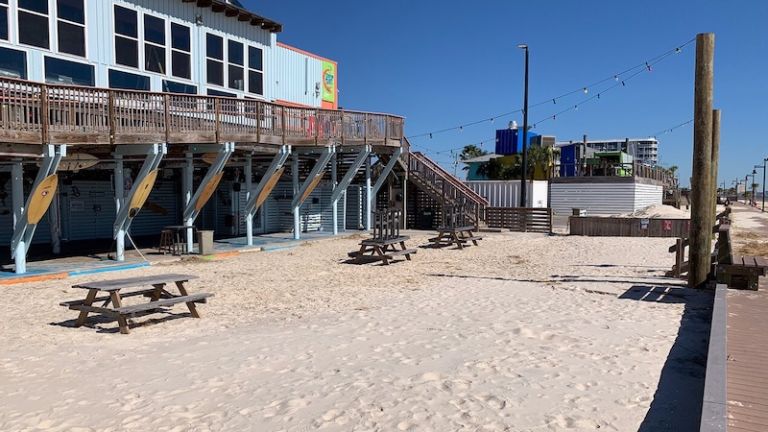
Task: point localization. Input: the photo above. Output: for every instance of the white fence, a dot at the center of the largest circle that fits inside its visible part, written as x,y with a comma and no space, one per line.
506,193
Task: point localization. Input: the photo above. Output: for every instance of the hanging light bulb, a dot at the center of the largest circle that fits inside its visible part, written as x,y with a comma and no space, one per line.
598,95
492,119
554,102
623,84
648,66
576,107
677,50
461,128
615,77
586,90
430,135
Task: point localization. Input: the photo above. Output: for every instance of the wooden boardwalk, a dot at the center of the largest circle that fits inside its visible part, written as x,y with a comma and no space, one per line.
747,359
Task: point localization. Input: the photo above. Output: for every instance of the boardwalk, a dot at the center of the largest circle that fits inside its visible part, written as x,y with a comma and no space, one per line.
747,347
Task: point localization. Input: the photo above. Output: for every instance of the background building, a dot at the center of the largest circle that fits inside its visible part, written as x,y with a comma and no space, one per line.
644,150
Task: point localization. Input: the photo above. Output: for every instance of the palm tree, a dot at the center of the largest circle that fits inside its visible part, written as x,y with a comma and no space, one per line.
471,151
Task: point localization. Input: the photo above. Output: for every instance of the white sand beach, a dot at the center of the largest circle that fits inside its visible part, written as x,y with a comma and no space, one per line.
525,333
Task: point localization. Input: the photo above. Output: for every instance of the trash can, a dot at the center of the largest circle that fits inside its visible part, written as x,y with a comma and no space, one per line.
579,212
205,242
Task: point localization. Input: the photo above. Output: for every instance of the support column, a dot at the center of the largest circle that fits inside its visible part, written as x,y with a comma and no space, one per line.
187,180
305,190
295,179
119,203
368,198
341,187
701,183
335,203
17,200
268,182
248,173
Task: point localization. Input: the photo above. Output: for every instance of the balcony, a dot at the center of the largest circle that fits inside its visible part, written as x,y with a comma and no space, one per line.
93,116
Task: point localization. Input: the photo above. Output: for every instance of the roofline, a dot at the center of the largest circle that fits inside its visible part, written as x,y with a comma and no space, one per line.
307,53
621,140
234,11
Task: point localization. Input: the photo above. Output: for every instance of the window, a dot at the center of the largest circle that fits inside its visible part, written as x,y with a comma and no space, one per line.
220,93
33,23
235,70
154,44
58,71
215,59
4,19
181,65
255,71
175,87
126,37
13,63
127,81
71,26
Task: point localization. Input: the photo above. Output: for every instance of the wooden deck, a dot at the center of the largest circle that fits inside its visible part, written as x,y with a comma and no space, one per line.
747,359
35,113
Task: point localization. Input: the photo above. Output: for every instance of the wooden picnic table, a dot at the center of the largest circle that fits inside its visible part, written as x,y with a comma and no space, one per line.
383,249
118,289
459,236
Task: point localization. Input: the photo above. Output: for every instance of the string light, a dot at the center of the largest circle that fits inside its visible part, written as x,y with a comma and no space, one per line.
646,65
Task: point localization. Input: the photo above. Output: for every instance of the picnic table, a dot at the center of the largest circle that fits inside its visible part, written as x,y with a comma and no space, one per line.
459,236
118,289
384,249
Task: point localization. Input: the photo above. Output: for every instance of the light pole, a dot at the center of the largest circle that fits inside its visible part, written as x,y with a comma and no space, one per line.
754,189
765,162
523,177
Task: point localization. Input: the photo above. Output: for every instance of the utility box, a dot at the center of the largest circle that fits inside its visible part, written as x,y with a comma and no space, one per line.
205,242
579,212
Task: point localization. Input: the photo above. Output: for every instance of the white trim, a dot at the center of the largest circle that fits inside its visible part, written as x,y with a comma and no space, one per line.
47,18
145,42
55,15
115,35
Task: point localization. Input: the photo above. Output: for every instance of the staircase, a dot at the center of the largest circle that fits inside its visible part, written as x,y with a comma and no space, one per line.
444,187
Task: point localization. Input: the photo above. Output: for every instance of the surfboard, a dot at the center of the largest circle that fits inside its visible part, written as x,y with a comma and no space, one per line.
41,199
311,187
208,191
142,193
77,161
271,183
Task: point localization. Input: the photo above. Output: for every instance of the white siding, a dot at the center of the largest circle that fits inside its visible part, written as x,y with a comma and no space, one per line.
507,193
603,198
647,195
295,75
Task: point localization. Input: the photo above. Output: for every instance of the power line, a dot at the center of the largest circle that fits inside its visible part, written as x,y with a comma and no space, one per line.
671,129
618,78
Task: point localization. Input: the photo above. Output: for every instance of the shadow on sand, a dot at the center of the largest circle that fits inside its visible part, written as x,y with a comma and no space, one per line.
676,405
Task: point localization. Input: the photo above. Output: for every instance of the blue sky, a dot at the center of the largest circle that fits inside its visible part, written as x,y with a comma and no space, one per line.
444,63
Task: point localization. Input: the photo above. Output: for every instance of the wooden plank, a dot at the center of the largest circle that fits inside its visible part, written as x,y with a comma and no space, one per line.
117,284
127,310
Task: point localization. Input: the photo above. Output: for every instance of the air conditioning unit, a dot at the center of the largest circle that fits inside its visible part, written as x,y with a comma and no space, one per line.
543,141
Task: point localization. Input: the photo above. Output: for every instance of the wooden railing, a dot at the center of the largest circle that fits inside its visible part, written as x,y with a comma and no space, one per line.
611,169
520,219
445,187
35,113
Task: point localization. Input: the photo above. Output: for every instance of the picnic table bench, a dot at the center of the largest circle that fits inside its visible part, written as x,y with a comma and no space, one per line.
384,249
386,239
159,297
459,236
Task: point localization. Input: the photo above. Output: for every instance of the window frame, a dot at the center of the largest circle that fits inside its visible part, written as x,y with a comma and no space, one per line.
25,58
145,42
230,64
19,10
221,61
58,19
250,69
137,39
172,49
127,72
81,63
9,30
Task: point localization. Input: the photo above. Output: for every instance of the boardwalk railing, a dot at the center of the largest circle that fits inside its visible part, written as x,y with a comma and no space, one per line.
519,219
444,187
35,113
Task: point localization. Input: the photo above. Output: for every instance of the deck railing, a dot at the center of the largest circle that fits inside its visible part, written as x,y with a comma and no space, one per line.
87,115
611,169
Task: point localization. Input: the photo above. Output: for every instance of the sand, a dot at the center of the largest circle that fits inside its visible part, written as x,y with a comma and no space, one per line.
660,211
526,332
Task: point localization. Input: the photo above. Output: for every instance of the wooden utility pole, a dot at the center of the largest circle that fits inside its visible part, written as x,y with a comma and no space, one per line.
699,257
715,159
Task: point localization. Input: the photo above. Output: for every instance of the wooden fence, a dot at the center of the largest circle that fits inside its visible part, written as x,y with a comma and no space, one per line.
628,227
519,219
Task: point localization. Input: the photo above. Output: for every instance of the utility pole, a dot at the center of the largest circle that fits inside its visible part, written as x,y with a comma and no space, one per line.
524,176
715,158
701,184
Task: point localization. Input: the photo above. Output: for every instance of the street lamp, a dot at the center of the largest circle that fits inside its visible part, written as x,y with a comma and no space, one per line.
765,162
752,186
523,178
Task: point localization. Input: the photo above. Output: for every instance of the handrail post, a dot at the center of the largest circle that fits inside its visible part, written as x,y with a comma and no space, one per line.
342,126
111,114
258,121
282,122
317,126
45,120
365,128
166,112
217,114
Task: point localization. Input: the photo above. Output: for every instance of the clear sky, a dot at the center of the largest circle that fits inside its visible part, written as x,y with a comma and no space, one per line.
444,63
